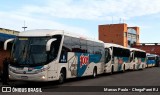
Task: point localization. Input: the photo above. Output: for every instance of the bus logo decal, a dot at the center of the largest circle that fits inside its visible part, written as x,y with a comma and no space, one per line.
84,60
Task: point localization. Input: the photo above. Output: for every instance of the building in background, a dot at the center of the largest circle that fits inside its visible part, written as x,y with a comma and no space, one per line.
119,34
133,36
4,35
152,48
126,36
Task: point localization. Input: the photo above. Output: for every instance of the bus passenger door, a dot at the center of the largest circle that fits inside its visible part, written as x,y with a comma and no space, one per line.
108,59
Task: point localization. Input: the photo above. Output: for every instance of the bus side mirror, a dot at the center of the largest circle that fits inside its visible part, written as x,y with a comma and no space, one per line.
48,45
6,42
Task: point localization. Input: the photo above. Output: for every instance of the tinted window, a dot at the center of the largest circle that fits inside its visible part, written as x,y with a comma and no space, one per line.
117,51
126,52
75,45
151,58
54,48
90,47
139,54
98,48
67,44
83,44
72,44
121,52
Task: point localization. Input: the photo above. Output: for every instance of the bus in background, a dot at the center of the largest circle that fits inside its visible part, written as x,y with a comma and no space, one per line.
117,58
138,59
152,60
4,35
157,61
48,55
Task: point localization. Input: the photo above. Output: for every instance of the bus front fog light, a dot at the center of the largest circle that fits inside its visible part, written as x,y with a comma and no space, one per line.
43,77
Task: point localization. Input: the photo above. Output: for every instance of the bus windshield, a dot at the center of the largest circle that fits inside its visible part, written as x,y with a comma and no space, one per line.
140,54
30,51
121,52
151,58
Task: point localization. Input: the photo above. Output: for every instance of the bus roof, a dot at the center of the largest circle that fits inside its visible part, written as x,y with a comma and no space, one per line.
151,55
107,45
135,49
50,32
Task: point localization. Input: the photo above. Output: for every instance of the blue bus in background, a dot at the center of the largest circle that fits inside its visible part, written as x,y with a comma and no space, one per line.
152,60
4,54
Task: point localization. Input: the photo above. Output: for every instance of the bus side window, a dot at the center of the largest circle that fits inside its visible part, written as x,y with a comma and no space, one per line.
97,48
75,45
67,44
90,47
83,45
65,49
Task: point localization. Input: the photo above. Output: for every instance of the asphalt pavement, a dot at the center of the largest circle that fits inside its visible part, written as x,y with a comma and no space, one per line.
147,78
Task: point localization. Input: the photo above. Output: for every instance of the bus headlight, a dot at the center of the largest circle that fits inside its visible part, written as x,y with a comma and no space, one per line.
41,70
43,77
12,70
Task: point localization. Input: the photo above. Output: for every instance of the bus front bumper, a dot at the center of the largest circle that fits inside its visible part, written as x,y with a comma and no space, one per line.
27,77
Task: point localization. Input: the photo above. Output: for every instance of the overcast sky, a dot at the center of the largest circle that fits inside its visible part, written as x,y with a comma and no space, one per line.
82,16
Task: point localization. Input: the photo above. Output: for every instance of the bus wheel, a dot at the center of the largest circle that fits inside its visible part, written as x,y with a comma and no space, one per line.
134,68
62,77
112,70
94,72
123,69
142,67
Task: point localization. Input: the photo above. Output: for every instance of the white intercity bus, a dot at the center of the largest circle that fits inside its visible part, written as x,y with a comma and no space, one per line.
138,59
117,58
48,55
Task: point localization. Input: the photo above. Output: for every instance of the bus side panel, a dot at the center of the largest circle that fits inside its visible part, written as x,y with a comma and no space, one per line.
139,63
151,63
108,67
82,64
87,62
72,65
126,62
119,63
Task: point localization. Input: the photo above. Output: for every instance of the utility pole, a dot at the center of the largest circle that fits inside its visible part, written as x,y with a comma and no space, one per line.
24,27
120,20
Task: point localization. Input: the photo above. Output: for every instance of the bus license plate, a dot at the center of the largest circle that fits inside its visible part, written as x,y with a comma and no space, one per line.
24,77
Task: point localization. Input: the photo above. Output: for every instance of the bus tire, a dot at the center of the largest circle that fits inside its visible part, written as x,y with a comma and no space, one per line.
134,67
123,69
112,70
142,67
62,76
95,72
